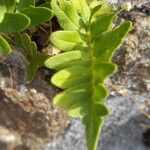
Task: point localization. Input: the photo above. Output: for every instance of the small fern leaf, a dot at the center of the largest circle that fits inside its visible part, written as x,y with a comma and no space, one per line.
66,40
106,43
9,4
5,48
71,76
31,49
58,62
103,5
83,78
98,28
25,3
82,8
93,127
37,15
68,16
3,10
12,23
35,59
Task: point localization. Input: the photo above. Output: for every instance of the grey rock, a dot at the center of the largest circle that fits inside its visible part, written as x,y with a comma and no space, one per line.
138,3
121,131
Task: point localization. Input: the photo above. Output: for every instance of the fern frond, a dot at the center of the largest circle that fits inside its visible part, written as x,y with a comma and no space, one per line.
35,58
88,41
5,48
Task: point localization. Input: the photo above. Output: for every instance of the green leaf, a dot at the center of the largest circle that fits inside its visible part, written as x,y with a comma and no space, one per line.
31,48
66,40
25,3
107,20
4,46
103,5
37,15
66,13
103,70
107,42
95,9
58,61
93,127
47,5
74,93
82,8
14,22
35,59
83,78
3,10
100,92
6,6
70,76
17,39
9,4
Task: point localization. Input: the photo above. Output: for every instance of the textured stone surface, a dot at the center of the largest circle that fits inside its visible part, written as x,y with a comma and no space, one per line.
133,58
133,2
123,129
28,120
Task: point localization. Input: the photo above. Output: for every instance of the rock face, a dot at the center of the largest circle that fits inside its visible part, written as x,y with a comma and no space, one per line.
133,2
28,120
125,129
133,58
